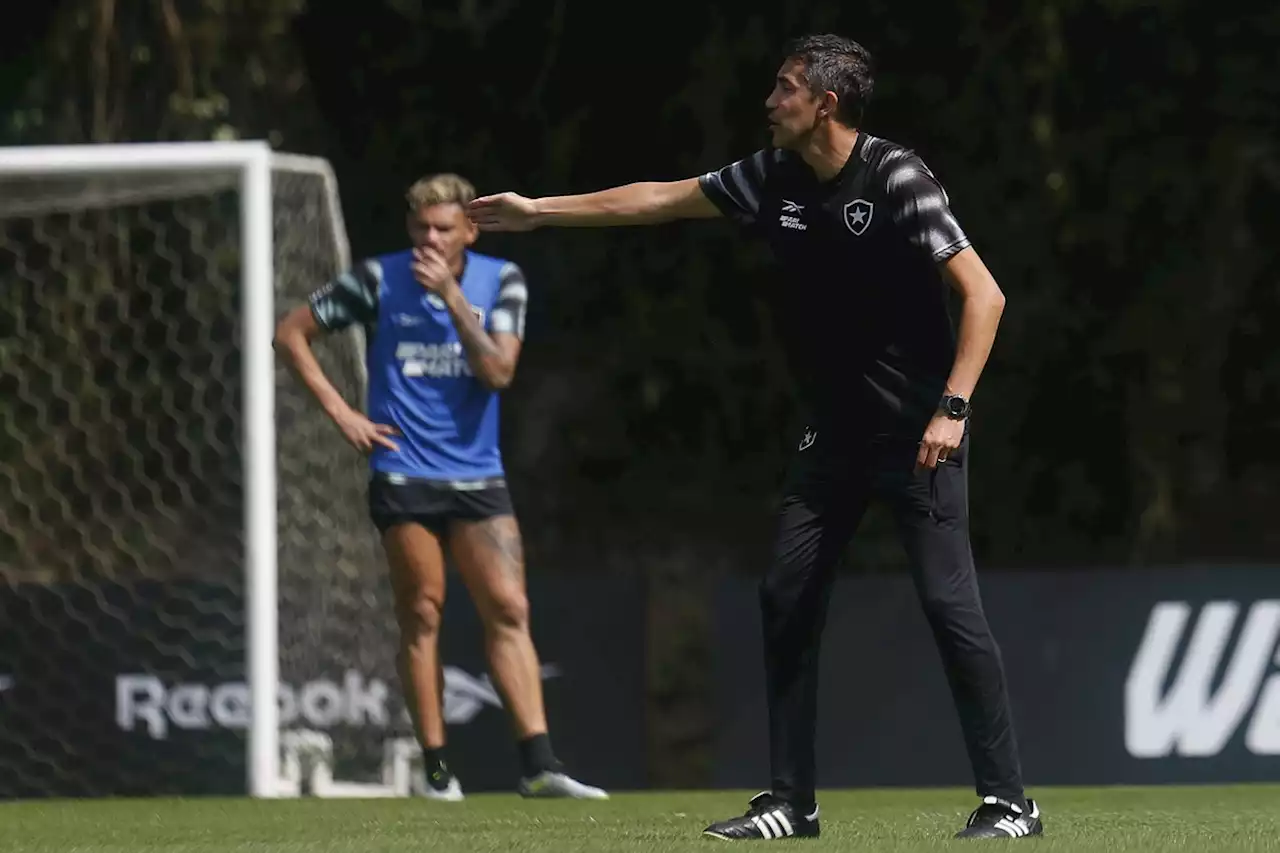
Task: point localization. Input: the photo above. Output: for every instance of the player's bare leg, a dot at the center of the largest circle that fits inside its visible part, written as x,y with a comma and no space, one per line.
417,568
490,558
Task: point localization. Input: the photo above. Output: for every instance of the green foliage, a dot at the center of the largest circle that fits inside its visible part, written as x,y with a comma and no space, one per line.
1115,164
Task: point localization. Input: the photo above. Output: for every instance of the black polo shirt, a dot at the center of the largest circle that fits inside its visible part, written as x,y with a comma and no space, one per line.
860,303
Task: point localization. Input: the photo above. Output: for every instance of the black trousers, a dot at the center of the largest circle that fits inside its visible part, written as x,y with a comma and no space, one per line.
828,489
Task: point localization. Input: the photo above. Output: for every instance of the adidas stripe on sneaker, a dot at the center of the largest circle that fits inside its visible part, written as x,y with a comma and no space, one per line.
997,818
767,819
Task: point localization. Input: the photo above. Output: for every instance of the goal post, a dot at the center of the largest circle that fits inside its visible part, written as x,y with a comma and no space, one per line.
40,181
250,163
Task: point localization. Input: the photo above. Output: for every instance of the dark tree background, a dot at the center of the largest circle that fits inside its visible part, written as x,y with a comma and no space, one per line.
1116,164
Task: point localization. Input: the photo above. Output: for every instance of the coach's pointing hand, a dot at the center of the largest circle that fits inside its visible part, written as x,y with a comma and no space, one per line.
942,436
503,212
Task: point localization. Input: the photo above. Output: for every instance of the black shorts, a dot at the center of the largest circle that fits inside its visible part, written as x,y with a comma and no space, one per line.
395,499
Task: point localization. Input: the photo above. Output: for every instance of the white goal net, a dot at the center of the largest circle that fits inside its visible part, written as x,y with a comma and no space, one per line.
125,461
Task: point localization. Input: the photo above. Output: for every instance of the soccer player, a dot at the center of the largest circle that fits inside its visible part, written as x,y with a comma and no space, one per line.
444,327
867,244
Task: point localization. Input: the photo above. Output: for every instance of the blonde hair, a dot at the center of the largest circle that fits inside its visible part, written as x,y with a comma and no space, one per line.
445,188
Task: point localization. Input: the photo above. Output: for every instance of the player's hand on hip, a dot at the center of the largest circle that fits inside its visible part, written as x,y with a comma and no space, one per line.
363,433
431,271
941,437
503,212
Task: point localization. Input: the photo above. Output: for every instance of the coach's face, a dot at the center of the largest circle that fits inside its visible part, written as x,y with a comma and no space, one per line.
794,110
445,228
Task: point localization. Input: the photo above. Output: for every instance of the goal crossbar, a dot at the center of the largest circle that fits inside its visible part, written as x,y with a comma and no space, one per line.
250,164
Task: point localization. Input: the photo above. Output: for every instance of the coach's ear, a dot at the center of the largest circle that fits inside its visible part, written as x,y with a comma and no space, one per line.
827,105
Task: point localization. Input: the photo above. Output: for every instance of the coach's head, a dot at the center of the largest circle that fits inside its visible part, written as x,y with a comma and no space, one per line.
437,217
824,79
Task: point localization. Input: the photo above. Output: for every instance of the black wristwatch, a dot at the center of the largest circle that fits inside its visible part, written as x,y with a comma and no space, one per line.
955,407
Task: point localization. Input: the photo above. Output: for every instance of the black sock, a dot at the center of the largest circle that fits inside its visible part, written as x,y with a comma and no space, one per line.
437,771
1020,802
536,756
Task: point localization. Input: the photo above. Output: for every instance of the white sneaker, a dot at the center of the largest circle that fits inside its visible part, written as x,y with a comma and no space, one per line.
549,785
450,793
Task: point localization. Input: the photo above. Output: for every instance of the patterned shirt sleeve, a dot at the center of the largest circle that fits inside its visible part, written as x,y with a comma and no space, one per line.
350,298
920,208
508,312
736,189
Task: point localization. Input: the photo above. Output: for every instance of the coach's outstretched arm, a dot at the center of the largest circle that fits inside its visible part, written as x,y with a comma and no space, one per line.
644,203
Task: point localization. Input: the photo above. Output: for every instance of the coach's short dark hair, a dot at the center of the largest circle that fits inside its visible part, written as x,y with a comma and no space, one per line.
837,64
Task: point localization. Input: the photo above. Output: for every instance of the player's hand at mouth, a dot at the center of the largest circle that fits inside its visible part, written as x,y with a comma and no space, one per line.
431,271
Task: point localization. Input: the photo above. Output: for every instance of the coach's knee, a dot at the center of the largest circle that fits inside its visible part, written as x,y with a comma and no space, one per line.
419,615
958,618
786,608
945,606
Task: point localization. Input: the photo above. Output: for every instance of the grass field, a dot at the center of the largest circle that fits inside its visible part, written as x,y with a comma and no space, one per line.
1078,820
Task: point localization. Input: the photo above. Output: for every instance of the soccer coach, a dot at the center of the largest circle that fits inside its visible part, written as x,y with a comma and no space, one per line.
867,245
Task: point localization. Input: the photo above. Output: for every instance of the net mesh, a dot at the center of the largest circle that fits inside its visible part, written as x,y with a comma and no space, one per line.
121,492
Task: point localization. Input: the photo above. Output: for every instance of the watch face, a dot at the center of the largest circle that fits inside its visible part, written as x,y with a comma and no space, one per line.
956,406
